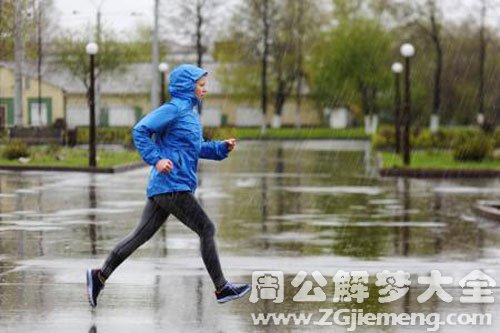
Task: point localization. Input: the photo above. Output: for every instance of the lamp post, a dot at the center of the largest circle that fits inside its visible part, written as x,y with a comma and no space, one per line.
92,50
407,51
163,68
397,69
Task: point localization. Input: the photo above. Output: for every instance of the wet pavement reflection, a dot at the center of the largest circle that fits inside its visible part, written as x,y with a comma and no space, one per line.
286,206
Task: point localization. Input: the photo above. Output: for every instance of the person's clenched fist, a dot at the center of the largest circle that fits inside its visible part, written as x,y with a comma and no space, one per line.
164,166
230,143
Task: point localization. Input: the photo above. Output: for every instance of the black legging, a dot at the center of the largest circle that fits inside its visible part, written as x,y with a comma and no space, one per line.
184,206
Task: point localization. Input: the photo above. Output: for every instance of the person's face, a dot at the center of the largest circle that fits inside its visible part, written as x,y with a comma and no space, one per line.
200,90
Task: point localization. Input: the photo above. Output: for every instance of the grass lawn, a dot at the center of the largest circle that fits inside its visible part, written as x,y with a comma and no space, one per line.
73,157
287,133
437,159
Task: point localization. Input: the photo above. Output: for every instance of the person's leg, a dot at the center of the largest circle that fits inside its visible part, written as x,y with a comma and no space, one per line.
184,206
153,217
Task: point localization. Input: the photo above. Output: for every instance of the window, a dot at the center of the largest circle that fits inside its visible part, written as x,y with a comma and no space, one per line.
40,114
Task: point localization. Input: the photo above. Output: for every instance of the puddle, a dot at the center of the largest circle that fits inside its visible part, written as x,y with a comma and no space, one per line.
334,190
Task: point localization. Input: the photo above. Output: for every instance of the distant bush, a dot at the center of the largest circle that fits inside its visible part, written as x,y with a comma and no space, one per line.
15,149
52,150
444,138
475,148
115,135
385,138
285,133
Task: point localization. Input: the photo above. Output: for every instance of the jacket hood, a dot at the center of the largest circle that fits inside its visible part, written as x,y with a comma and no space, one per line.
182,82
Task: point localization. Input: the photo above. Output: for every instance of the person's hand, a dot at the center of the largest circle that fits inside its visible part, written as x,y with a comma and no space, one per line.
164,166
230,143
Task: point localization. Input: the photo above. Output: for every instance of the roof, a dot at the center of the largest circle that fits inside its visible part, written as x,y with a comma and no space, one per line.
134,79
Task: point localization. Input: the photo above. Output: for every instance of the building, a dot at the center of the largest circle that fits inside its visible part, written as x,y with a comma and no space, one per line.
125,98
52,102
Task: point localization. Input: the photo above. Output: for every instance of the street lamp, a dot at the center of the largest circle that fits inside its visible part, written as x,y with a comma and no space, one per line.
163,68
397,69
92,50
407,51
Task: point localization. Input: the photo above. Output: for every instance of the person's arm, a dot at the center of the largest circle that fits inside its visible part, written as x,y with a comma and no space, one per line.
216,150
155,122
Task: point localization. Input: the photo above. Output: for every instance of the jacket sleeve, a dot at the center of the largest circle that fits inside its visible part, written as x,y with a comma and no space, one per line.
153,123
214,150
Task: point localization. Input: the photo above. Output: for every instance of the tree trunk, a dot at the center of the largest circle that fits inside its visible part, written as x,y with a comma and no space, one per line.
199,24
199,46
39,63
300,33
373,110
279,103
19,55
265,24
486,125
155,96
436,39
365,106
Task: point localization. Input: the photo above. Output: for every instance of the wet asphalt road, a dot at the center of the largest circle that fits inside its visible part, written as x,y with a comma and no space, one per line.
289,206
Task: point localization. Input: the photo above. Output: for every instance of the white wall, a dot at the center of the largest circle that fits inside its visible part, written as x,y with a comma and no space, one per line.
77,116
211,117
248,116
121,116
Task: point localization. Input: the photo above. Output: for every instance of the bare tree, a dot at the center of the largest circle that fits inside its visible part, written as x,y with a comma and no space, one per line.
19,57
299,74
192,24
486,117
193,21
482,61
264,14
200,49
433,30
272,38
39,15
426,16
292,28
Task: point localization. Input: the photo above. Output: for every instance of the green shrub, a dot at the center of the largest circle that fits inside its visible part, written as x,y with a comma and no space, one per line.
384,138
117,135
424,140
15,149
444,138
475,148
496,137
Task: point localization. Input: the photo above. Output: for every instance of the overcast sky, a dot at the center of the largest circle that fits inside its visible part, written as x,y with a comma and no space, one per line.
124,15
120,15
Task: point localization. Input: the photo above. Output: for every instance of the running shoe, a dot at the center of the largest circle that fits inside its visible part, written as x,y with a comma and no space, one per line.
94,286
232,291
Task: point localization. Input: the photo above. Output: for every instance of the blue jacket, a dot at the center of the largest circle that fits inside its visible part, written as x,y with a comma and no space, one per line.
177,136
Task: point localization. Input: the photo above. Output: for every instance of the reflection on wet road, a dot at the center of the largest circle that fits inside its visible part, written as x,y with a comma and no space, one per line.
286,206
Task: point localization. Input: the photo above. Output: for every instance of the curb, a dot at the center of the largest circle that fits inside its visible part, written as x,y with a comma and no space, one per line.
437,173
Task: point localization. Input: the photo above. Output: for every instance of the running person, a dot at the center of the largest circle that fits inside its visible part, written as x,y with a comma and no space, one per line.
173,155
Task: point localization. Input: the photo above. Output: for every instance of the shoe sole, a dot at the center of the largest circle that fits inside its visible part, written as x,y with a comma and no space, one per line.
231,298
90,287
